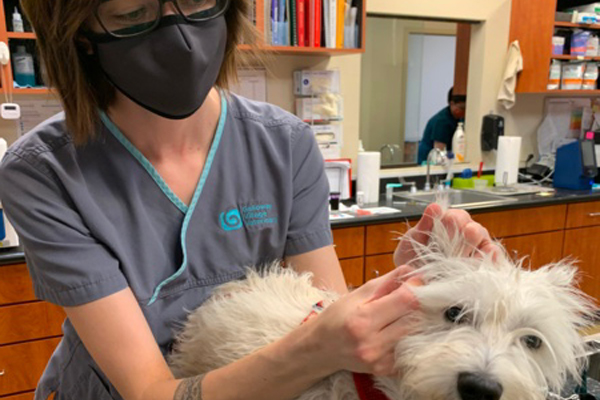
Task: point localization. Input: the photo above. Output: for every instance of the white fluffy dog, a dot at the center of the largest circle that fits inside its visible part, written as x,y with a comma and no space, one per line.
486,329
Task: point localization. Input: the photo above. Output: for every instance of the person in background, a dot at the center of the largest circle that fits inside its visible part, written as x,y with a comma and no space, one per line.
441,127
142,197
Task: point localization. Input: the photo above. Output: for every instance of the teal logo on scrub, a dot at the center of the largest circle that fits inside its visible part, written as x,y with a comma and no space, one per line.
231,220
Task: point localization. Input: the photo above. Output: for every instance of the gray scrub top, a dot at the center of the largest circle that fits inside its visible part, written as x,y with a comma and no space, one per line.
99,218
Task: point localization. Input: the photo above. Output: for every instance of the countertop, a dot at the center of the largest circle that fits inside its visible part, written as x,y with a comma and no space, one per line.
407,211
415,210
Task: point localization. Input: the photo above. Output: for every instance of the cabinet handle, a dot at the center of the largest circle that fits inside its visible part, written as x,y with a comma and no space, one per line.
376,273
594,214
1,372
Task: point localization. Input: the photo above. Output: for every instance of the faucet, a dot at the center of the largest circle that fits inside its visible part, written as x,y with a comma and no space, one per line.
440,155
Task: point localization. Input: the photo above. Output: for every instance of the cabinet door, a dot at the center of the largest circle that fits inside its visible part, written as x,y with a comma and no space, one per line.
532,24
540,249
376,266
354,271
23,364
15,284
349,242
582,244
384,238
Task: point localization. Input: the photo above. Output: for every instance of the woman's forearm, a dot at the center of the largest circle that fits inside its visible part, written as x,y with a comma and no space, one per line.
280,371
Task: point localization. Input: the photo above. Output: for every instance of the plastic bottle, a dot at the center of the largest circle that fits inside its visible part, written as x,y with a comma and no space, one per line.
24,69
459,145
17,21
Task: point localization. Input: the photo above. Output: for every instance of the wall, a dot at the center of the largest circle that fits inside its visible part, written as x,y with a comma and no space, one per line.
280,88
489,43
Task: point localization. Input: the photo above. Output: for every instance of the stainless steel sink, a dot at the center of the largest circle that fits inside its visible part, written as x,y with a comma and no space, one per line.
458,198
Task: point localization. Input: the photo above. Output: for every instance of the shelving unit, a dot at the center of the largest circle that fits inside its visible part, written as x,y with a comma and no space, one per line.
533,25
8,36
296,50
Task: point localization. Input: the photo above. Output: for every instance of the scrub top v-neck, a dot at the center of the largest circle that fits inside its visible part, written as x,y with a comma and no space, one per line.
97,219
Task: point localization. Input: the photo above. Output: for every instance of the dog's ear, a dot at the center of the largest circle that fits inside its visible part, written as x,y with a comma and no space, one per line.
562,275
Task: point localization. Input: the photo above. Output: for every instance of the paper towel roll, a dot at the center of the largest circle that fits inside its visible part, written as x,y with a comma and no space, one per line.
507,159
3,146
367,181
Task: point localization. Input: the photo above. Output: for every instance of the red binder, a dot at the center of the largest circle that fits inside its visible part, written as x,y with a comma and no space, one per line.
318,11
301,11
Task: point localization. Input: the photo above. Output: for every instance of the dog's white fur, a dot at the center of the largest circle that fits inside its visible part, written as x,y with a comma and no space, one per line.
502,303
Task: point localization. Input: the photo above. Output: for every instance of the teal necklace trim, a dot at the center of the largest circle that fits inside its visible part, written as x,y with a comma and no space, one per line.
144,162
197,193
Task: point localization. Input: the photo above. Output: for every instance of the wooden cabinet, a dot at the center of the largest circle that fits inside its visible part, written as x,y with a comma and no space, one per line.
22,322
15,285
523,221
541,234
582,244
26,396
29,332
384,238
375,266
540,249
583,214
532,23
353,269
349,242
23,364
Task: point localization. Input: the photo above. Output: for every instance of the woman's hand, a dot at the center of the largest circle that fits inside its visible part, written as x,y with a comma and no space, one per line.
359,332
454,220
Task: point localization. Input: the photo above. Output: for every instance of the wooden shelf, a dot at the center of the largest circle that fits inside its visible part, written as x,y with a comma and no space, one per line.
560,24
40,90
294,50
574,58
21,35
574,92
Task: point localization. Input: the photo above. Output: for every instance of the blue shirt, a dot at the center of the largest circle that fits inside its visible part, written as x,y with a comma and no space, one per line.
440,128
99,218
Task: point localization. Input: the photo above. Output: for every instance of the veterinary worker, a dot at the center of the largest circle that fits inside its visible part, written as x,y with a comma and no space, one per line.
440,129
156,185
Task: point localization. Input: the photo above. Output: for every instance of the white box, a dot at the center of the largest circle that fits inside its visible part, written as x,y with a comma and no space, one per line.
588,8
322,108
309,82
327,134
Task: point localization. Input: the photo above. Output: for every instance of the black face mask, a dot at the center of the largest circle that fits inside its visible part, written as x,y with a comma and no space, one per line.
170,70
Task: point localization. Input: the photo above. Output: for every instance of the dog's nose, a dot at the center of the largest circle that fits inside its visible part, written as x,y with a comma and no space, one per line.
472,386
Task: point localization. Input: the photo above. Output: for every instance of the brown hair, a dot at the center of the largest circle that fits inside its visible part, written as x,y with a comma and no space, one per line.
77,77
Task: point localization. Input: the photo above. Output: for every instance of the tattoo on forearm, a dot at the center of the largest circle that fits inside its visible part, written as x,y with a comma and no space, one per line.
190,389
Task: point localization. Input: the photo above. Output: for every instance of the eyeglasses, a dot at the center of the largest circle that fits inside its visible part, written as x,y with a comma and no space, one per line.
127,18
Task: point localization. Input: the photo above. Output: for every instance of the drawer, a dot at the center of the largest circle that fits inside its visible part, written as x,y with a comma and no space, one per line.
354,271
524,221
23,364
22,322
583,214
384,238
349,242
376,266
15,284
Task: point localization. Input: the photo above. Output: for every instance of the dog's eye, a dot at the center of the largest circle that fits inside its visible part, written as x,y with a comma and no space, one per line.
453,313
532,342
